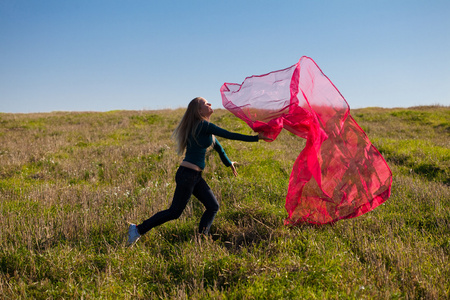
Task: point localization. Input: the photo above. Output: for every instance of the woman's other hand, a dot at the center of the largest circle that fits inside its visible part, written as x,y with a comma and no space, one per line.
233,168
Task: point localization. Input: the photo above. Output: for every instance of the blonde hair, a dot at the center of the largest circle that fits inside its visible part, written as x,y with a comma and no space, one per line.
188,124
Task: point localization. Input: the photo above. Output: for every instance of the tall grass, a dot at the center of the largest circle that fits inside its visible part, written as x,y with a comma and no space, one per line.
70,182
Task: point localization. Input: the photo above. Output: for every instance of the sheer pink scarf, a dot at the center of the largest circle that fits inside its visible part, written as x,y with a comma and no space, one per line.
339,174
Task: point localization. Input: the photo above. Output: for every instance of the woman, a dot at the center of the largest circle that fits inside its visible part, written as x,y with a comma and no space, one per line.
194,134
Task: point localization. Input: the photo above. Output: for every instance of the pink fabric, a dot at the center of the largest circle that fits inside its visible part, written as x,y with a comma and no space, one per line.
339,174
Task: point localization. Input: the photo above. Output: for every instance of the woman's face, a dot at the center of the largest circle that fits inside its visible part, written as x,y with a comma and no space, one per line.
205,108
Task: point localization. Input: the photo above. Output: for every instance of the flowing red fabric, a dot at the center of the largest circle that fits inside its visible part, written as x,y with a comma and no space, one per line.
339,174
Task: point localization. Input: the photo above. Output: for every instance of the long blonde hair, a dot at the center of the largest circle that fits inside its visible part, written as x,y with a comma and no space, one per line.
188,124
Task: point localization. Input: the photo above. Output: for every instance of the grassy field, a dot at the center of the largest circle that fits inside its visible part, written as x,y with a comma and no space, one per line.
70,182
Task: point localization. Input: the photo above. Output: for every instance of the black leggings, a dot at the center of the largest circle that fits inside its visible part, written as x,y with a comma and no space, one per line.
189,182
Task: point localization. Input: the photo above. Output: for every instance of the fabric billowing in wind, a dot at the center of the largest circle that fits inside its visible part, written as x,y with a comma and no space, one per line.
339,174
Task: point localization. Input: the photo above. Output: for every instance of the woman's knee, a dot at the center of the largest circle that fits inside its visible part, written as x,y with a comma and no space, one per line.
175,213
214,207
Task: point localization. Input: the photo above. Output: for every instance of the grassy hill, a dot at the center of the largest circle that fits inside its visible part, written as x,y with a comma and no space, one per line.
70,182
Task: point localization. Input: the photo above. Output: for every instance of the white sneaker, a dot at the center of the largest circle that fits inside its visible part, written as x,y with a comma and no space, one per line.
133,234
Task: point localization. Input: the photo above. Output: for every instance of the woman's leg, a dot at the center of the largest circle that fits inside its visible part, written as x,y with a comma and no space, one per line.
204,193
185,180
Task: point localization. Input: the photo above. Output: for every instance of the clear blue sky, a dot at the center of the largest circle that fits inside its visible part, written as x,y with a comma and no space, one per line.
90,55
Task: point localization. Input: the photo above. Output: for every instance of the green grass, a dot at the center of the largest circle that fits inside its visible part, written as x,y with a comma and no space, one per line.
70,182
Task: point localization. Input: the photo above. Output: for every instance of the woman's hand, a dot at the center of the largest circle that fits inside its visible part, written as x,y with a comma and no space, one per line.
234,169
261,136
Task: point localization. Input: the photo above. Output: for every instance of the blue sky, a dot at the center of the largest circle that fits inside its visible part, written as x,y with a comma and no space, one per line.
107,55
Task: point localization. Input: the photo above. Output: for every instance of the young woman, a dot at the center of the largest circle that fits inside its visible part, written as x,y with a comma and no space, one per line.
194,134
